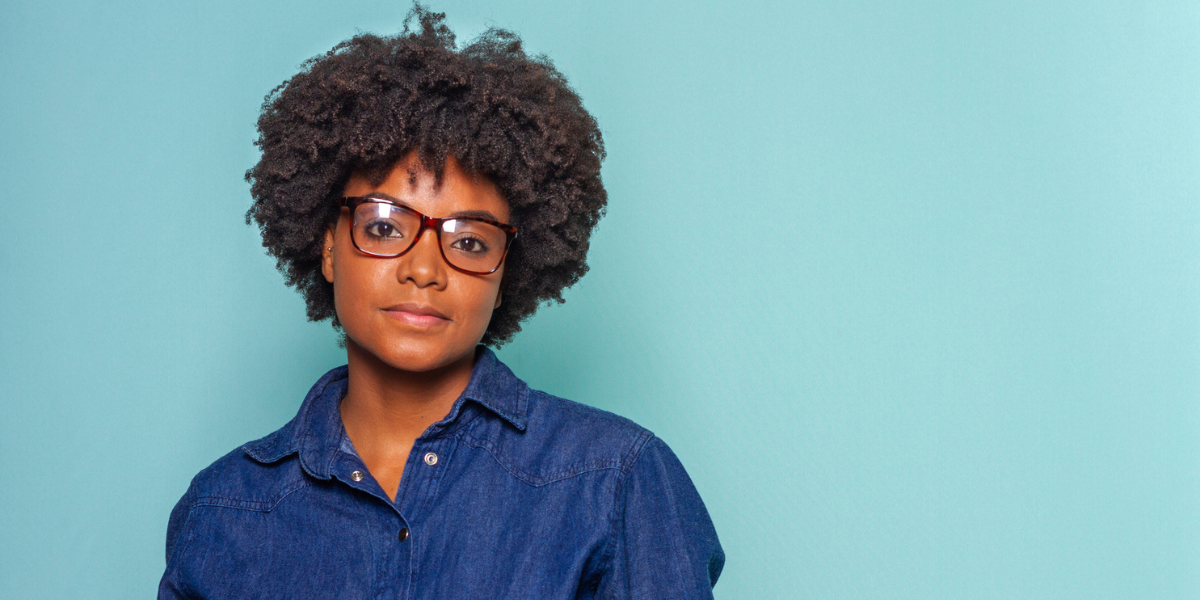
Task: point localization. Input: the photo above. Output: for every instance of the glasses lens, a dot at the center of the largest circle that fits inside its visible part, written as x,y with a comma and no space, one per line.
473,245
381,228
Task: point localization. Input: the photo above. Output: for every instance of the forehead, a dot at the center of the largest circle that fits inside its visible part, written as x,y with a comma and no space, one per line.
412,184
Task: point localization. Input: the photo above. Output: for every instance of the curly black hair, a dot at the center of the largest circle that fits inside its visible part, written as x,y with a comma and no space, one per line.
501,113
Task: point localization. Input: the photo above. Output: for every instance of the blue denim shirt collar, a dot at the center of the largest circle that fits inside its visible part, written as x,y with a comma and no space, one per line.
316,432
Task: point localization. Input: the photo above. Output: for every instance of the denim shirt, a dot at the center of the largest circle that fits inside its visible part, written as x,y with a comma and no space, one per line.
514,494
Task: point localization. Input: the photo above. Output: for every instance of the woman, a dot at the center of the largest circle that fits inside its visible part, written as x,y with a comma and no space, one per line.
427,200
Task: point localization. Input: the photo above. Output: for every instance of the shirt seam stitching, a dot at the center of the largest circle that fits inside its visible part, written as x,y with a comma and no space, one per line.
182,545
529,478
251,505
635,452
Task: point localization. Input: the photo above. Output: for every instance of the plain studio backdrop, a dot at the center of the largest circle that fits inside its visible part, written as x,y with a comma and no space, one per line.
912,288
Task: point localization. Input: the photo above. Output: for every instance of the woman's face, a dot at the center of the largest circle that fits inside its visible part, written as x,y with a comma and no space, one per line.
415,312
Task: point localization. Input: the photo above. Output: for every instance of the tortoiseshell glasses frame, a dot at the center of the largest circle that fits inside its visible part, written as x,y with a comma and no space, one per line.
478,245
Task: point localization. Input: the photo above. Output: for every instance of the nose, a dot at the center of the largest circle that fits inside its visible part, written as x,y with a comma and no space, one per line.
423,264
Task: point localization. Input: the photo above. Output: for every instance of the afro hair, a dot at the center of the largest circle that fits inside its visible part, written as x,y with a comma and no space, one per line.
501,113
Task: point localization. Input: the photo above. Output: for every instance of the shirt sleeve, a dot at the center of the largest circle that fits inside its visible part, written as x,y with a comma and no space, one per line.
168,586
664,545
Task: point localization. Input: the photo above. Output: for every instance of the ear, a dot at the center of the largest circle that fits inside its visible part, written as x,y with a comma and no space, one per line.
327,255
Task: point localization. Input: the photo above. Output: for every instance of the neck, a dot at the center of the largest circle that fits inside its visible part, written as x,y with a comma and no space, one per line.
385,405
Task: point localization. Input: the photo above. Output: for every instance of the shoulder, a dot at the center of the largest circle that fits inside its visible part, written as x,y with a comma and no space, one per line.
238,481
566,419
562,439
253,476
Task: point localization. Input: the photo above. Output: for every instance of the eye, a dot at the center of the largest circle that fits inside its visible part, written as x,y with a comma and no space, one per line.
382,229
472,245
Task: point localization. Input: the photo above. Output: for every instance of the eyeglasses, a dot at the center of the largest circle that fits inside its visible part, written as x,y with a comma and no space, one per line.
382,228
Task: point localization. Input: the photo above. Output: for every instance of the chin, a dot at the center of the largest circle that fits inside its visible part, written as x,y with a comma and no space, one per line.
418,362
419,355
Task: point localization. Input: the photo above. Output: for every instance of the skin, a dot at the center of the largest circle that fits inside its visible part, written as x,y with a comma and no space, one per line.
405,371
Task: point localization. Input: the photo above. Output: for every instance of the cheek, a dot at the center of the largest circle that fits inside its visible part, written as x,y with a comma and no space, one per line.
481,297
353,287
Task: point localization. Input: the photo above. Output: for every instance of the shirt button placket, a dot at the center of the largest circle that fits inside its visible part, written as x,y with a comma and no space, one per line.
397,562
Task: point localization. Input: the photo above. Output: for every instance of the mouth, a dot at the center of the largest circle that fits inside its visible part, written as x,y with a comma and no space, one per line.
417,315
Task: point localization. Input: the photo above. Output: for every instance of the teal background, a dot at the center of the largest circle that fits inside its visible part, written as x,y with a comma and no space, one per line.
912,288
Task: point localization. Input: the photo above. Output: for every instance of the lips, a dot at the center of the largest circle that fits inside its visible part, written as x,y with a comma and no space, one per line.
418,315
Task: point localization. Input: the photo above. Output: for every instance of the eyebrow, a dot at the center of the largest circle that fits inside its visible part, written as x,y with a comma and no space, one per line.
481,214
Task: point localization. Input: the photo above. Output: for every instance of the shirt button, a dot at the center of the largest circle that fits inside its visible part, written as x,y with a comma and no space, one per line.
356,475
403,533
430,458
